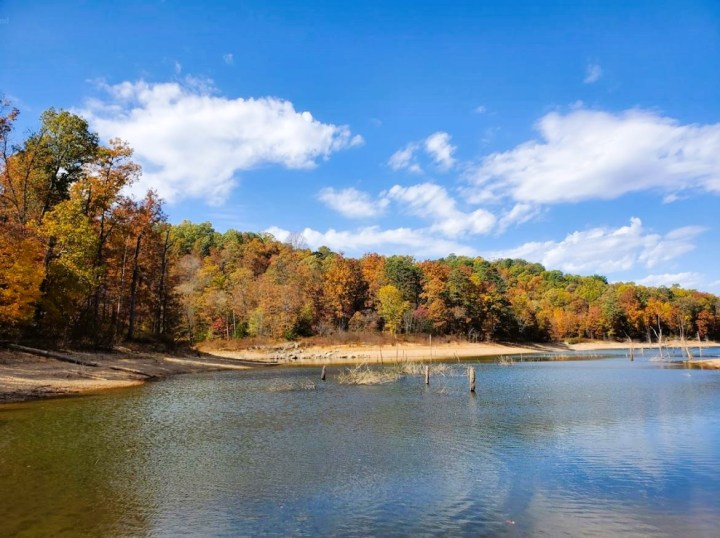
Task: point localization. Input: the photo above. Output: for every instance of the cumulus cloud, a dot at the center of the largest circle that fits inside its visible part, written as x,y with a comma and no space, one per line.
228,58
352,203
427,201
437,146
603,250
518,214
416,242
686,280
404,159
432,202
192,143
587,154
593,72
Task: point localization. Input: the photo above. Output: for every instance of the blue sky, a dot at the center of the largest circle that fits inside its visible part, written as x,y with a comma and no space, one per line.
582,135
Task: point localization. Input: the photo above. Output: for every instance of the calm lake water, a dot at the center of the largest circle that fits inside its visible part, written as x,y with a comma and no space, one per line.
581,448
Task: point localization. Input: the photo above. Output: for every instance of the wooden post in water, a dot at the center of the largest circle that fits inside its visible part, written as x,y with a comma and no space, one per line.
699,344
471,375
427,375
322,374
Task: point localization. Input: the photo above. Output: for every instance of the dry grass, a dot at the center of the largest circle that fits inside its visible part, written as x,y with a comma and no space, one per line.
337,338
409,368
418,368
362,374
375,338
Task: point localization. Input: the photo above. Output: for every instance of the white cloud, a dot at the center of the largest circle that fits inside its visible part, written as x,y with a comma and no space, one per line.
432,202
352,203
481,109
229,58
668,247
593,72
588,154
603,250
518,214
405,159
416,242
686,280
427,201
192,143
438,146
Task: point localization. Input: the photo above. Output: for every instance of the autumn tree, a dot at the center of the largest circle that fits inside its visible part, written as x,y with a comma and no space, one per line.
405,276
20,276
38,174
344,288
21,268
435,294
391,307
373,271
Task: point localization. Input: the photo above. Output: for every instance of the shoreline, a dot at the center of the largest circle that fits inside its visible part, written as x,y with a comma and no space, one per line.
27,376
296,354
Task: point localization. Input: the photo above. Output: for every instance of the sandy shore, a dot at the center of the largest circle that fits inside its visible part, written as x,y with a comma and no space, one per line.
705,364
299,354
294,353
25,376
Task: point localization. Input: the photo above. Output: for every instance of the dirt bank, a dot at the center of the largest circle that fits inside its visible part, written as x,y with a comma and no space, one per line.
27,376
301,354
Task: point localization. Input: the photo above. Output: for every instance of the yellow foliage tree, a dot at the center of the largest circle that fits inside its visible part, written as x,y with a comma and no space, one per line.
21,272
392,307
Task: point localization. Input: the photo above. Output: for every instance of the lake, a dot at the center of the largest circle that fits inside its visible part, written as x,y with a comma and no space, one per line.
577,448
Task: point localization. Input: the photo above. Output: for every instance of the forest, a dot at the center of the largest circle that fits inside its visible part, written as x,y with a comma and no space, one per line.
83,263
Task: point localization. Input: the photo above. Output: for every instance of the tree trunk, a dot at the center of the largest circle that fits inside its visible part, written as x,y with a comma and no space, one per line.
162,293
133,289
118,307
49,255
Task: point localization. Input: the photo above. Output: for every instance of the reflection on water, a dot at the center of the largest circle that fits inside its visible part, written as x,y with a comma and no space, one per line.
596,448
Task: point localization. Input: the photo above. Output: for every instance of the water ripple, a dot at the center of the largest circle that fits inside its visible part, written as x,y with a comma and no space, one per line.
591,448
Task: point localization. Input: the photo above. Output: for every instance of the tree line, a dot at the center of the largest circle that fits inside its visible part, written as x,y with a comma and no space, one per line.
82,262
237,284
